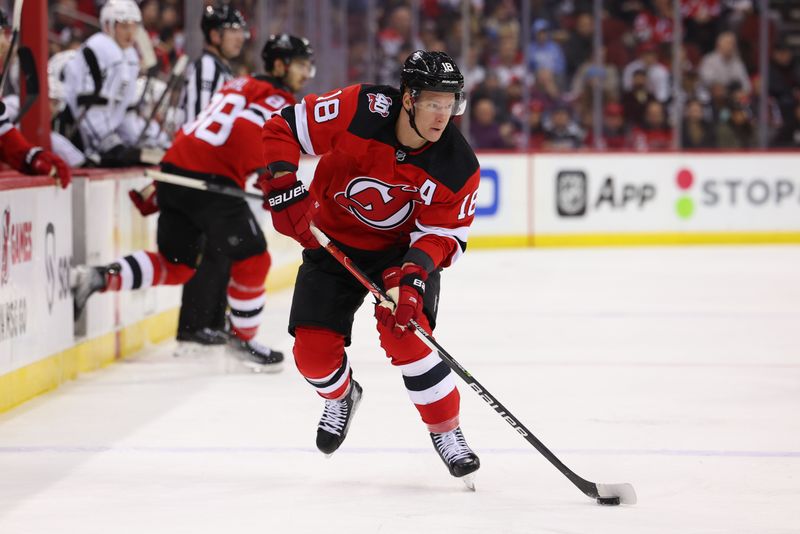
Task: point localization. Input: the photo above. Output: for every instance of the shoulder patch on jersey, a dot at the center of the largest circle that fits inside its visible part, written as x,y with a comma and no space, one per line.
379,103
378,106
451,161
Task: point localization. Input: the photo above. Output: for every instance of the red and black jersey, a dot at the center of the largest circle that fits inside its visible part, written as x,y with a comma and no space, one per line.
13,146
373,193
224,140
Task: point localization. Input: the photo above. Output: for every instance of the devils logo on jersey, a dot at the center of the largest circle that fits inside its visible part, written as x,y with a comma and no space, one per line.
379,103
377,204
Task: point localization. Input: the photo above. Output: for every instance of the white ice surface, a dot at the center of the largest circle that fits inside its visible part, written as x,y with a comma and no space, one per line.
674,369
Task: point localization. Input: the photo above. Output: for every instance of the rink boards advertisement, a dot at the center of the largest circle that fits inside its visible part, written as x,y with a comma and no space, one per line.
656,199
576,199
35,254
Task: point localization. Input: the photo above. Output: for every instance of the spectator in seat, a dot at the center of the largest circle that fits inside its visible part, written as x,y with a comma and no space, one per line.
697,132
654,26
738,132
635,100
626,11
474,71
789,134
693,89
579,45
588,76
658,77
654,132
719,102
536,132
484,130
615,132
546,90
394,39
545,53
490,88
509,62
774,112
784,76
724,65
561,132
701,20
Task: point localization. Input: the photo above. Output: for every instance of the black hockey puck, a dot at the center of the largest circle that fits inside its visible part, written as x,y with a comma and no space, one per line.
608,501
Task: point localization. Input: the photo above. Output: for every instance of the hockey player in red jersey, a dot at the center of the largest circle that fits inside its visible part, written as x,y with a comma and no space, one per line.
395,189
223,146
17,152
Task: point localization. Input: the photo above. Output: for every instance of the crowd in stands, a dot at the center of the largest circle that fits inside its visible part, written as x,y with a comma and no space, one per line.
720,87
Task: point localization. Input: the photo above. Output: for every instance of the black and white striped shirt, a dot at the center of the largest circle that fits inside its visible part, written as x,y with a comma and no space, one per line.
204,78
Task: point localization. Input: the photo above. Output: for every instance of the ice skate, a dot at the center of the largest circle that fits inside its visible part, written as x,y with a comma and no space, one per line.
336,418
457,456
84,282
254,355
199,341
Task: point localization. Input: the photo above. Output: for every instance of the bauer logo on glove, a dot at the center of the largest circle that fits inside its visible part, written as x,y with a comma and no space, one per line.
278,200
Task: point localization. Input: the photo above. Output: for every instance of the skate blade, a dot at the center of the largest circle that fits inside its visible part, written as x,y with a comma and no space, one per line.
469,481
187,348
263,369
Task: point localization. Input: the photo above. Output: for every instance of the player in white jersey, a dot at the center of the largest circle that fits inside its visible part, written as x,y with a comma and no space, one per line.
57,95
100,84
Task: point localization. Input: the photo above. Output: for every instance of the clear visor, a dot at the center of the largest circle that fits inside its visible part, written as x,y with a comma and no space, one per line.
237,26
439,105
305,66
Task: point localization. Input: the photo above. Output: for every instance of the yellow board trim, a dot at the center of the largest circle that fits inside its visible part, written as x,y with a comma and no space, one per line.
665,238
499,241
634,239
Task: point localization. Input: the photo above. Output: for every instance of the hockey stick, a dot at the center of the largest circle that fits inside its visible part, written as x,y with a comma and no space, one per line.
174,79
609,494
146,51
29,76
15,21
202,185
149,62
151,73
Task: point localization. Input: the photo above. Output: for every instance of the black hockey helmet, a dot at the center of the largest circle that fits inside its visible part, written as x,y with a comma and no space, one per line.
219,17
434,71
286,48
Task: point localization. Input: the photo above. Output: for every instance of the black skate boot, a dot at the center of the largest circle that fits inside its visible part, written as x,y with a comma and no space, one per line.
336,418
199,341
204,336
457,456
258,357
85,281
